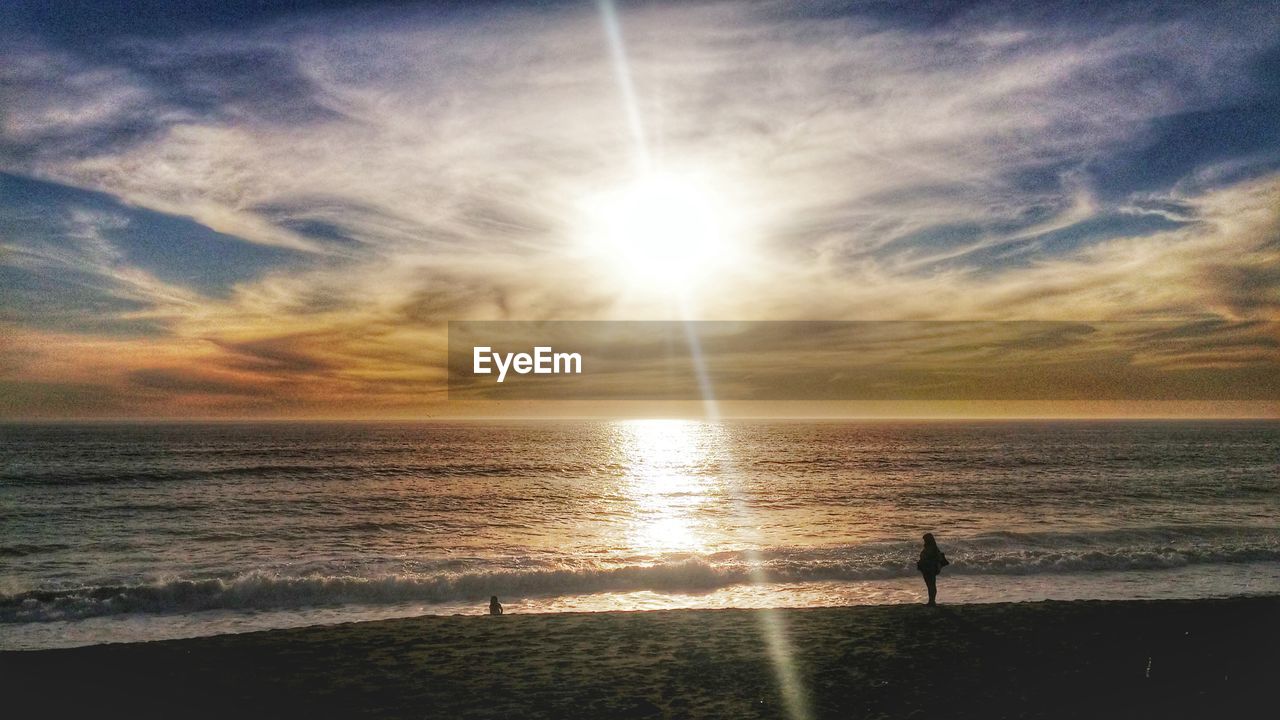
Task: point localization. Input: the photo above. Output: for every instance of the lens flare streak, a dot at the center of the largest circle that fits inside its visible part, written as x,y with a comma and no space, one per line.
772,625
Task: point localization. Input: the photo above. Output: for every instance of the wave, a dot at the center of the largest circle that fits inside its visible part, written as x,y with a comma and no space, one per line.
24,549
262,590
320,469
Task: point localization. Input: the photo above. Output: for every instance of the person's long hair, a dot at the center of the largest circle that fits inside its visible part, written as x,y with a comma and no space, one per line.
929,542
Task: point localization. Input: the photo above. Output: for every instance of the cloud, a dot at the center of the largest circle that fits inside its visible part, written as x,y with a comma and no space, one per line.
184,380
307,197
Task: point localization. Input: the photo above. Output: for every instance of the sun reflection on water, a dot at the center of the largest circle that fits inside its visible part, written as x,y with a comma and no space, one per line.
675,476
670,477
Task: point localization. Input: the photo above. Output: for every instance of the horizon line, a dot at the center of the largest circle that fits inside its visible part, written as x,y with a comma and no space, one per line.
617,418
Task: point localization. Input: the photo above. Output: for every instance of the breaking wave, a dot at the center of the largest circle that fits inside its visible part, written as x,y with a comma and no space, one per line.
992,554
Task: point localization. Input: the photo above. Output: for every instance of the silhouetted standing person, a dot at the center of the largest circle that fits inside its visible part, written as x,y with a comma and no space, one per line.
930,564
495,607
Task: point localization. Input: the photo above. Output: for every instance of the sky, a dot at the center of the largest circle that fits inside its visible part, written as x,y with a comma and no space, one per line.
257,209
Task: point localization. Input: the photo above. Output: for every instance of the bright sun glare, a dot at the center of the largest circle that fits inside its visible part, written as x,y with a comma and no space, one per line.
669,478
663,230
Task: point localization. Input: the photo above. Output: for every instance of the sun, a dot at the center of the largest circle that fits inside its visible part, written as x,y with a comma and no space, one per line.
662,230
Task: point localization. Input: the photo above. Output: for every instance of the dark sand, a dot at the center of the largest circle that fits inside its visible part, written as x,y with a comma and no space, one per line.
1193,659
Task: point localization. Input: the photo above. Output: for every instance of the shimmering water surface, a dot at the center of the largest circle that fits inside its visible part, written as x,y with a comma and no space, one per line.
115,532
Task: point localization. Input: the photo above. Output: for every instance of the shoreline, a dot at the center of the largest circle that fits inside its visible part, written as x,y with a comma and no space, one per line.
1138,658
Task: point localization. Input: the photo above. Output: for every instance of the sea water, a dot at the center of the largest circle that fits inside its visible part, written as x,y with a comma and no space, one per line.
137,531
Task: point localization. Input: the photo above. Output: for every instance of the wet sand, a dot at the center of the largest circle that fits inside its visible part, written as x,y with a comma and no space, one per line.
1167,659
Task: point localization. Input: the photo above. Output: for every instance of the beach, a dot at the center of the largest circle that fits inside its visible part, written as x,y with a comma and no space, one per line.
1199,658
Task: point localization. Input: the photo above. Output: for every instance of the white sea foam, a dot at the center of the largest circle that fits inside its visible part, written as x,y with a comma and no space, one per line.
995,555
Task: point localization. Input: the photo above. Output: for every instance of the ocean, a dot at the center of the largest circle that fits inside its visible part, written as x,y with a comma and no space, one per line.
141,531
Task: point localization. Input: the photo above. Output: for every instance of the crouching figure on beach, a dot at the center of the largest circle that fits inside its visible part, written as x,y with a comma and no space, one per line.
495,607
930,564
